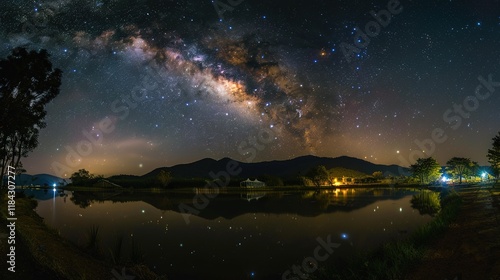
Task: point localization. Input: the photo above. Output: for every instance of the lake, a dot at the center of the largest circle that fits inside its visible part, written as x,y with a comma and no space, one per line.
254,235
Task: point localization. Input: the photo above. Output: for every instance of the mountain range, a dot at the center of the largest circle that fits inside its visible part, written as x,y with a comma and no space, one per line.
285,169
288,170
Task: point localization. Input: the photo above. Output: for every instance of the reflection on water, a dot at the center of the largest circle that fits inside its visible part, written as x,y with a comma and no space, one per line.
427,202
249,196
254,235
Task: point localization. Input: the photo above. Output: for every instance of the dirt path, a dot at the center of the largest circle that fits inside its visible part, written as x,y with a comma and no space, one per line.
470,249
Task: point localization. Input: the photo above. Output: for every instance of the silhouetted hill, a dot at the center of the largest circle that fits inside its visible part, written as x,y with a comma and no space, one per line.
341,171
286,169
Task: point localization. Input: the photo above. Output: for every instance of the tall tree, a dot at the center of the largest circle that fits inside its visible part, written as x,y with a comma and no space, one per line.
459,167
474,169
318,175
27,84
378,175
494,156
164,177
81,178
426,170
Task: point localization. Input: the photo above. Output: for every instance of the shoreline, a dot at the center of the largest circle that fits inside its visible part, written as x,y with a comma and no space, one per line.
470,247
461,242
394,259
60,259
55,256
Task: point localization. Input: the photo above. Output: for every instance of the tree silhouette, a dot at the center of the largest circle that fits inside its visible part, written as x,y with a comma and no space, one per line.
426,170
164,177
378,175
81,178
460,167
318,175
494,156
27,84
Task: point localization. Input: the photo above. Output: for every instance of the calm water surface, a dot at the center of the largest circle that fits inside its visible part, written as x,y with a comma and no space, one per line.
255,235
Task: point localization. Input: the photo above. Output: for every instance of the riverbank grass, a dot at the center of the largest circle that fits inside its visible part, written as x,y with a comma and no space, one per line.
393,260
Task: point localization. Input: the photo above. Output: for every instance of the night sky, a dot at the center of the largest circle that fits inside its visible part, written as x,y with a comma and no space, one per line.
158,83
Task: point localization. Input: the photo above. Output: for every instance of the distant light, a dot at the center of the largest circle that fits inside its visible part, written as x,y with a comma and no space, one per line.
400,209
478,23
252,274
444,179
143,211
54,185
344,236
483,175
54,189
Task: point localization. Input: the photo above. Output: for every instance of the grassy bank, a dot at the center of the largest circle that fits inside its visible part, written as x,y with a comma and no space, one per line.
44,250
495,189
394,259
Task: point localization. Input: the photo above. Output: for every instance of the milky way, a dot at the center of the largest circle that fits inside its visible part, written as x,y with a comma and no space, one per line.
178,83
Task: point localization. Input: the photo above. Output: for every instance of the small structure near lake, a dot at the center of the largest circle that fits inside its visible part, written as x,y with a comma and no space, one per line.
252,184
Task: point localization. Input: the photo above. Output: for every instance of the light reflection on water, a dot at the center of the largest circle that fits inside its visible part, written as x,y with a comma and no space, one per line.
237,235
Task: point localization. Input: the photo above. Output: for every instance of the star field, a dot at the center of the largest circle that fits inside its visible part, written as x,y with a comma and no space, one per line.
176,82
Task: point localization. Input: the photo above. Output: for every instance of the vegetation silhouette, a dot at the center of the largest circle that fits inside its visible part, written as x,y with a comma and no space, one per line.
27,84
494,156
460,168
426,170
